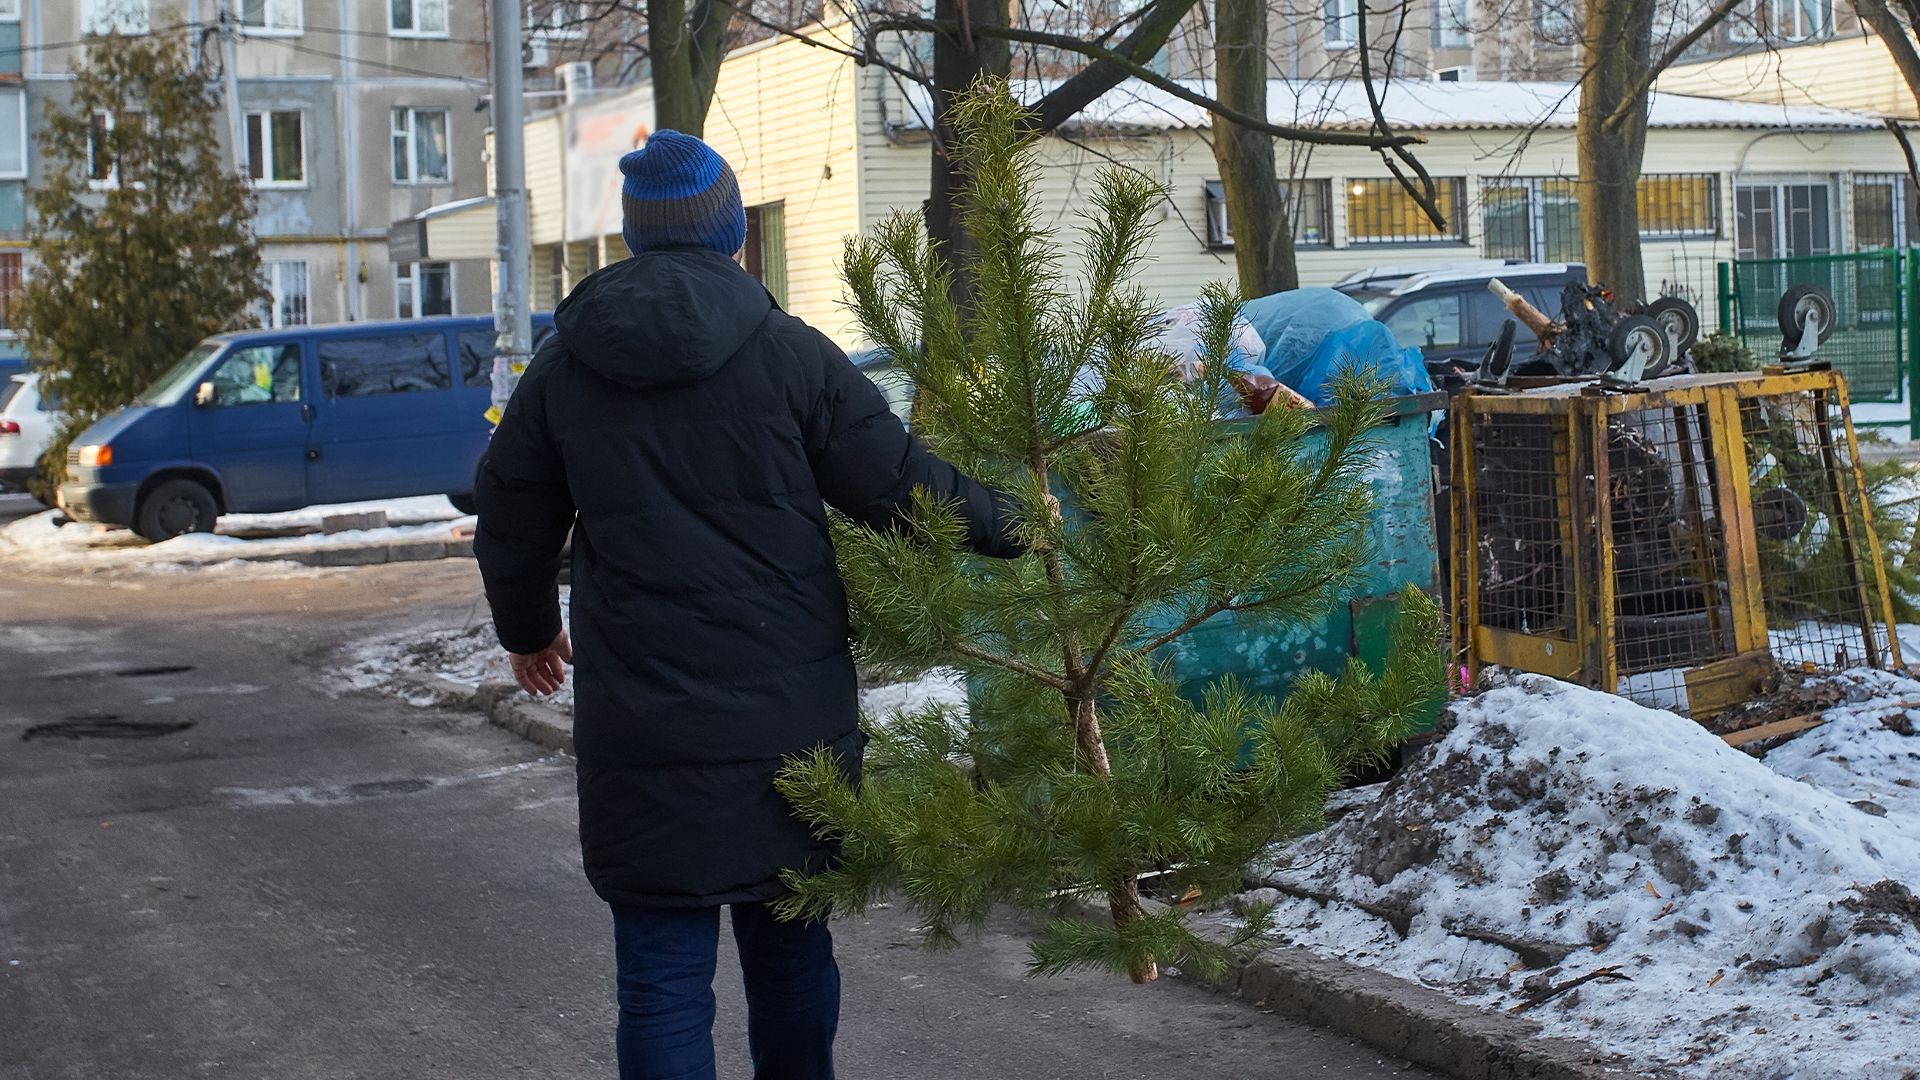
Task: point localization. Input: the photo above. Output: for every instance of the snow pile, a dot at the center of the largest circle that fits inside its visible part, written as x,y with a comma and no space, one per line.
1553,832
46,542
418,510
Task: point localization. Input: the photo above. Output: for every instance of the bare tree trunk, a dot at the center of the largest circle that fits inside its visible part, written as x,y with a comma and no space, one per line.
685,47
1262,225
959,60
1611,134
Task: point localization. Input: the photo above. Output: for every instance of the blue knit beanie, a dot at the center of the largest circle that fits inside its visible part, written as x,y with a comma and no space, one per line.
679,193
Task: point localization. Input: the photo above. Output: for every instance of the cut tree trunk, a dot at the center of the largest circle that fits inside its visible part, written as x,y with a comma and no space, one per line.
1261,220
1123,900
1612,141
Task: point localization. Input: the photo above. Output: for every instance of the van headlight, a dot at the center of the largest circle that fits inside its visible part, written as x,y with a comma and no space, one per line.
96,457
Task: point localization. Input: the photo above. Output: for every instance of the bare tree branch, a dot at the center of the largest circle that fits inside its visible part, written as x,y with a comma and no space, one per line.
1713,18
1085,48
1426,196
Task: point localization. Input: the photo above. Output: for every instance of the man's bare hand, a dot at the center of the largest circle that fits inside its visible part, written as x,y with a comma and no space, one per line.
545,671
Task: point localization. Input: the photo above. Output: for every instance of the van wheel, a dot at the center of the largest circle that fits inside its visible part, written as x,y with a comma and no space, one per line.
174,508
464,503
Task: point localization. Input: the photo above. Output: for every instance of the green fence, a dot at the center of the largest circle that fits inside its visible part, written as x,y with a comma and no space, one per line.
1874,295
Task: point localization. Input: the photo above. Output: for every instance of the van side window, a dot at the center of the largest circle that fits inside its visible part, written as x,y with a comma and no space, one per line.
257,376
1488,312
477,352
1429,322
399,364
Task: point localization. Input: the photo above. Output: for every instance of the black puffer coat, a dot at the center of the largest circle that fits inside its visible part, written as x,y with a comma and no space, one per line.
695,429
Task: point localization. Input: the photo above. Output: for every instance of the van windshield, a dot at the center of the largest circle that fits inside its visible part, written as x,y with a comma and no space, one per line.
170,387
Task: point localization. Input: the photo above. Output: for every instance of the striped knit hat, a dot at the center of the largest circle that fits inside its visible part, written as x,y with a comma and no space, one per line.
679,193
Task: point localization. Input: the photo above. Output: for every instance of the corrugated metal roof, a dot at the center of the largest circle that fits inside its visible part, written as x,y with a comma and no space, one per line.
1413,106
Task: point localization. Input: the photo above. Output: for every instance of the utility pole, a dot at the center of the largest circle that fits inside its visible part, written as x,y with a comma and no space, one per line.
230,33
512,318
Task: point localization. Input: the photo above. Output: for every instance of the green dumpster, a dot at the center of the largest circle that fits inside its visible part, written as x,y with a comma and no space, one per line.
1266,659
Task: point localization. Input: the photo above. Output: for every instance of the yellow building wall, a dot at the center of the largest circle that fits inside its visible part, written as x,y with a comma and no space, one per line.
783,117
1851,73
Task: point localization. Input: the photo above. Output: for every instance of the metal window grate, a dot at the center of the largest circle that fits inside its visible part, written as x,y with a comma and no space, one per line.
1382,212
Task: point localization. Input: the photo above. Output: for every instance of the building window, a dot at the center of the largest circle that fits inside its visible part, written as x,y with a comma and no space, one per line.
1782,221
113,17
1554,21
765,253
417,18
1781,20
1452,24
1531,218
1312,225
422,289
9,10
1885,212
13,207
420,147
286,282
13,135
556,275
13,278
1677,206
276,152
271,16
1382,212
1342,28
557,19
9,37
102,172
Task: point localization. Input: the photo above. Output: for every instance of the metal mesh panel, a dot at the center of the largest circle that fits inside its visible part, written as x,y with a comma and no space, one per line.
1671,594
1522,516
1808,533
1865,346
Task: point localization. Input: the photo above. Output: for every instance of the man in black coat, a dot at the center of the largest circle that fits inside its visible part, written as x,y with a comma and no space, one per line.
687,431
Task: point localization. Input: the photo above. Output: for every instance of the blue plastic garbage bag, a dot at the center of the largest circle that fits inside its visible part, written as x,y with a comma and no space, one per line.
1314,334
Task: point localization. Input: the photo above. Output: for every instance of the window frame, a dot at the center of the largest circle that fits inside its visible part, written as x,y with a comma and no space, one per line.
1220,227
1903,208
1455,193
96,182
271,273
262,29
142,23
412,135
1446,33
267,125
409,274
551,32
446,20
1340,27
10,15
1764,27
26,140
1710,231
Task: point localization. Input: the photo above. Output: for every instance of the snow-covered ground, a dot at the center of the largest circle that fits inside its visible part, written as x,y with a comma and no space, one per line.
37,544
1758,909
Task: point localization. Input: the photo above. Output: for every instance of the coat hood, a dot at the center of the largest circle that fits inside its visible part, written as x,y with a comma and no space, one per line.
664,318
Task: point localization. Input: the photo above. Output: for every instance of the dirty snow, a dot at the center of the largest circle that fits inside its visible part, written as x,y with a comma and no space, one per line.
1574,831
471,655
38,544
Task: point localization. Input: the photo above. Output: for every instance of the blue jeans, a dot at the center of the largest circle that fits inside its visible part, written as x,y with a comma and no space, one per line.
666,958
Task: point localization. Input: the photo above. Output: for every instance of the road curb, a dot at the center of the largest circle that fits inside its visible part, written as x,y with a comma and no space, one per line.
504,705
1405,1019
368,554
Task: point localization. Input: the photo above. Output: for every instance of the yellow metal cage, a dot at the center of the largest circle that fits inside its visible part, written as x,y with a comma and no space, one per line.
1678,543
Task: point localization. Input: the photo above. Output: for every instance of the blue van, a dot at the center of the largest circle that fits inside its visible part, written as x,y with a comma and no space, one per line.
266,420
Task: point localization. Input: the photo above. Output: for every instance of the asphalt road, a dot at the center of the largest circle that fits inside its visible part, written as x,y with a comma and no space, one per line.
304,884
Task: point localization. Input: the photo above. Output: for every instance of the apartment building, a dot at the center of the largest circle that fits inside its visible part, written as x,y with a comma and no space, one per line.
352,113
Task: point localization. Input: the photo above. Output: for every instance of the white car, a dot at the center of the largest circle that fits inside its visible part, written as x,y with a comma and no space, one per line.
27,424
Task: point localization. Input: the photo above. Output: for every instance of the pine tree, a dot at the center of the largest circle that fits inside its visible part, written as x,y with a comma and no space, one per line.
1080,767
142,237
